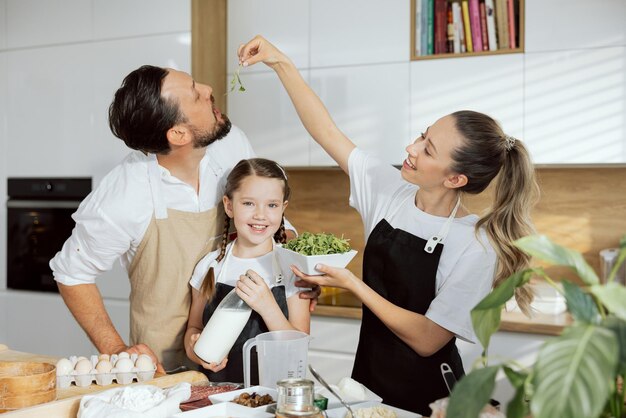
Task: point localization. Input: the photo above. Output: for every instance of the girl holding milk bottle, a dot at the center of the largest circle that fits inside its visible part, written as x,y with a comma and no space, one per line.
255,199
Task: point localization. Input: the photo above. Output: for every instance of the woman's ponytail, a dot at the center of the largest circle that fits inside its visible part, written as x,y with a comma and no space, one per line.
488,154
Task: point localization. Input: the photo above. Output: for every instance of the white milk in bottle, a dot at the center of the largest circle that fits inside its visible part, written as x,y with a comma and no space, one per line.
224,326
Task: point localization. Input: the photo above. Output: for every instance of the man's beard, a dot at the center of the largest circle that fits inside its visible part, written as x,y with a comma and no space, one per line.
204,139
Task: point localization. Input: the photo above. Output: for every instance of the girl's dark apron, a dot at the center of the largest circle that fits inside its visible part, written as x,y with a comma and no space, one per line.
398,266
233,372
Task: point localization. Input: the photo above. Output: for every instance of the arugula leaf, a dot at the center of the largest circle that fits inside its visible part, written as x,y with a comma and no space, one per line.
318,244
236,79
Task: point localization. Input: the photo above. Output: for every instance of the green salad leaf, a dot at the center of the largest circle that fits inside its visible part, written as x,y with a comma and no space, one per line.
318,244
236,80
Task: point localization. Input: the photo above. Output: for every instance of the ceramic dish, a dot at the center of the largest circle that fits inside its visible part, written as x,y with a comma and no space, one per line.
334,402
307,263
341,412
227,397
224,409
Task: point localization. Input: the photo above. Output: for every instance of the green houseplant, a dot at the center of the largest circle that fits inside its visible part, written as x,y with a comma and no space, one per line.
576,374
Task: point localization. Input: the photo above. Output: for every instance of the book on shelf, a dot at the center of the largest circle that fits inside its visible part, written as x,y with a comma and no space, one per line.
491,25
459,26
466,25
441,26
511,15
483,24
474,12
459,32
502,23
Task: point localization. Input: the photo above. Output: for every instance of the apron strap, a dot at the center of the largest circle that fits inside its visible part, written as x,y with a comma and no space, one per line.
443,232
154,177
276,270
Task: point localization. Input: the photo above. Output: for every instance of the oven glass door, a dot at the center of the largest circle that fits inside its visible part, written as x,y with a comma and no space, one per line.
36,232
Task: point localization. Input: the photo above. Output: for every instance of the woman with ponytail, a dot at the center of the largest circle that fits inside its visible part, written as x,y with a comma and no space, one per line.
427,260
255,199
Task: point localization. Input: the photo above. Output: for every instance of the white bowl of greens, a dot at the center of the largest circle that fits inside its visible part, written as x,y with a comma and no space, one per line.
309,250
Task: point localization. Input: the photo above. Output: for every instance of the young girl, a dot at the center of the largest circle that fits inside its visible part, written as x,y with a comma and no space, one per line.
427,261
255,199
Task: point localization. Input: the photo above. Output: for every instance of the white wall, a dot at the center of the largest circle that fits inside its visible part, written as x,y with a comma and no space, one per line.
60,64
565,96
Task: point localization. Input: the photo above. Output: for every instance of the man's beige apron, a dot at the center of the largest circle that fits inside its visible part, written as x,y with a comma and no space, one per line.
159,274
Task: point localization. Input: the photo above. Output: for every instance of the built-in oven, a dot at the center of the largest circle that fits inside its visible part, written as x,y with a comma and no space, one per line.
39,220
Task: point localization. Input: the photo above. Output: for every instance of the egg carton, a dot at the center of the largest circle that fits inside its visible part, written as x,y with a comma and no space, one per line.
103,378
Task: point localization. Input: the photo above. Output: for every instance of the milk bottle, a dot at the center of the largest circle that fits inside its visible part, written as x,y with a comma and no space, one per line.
224,326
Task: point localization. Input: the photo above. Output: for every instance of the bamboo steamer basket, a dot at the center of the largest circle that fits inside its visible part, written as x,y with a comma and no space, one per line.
26,383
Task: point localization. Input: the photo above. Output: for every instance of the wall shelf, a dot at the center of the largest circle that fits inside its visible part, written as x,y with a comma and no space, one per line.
517,4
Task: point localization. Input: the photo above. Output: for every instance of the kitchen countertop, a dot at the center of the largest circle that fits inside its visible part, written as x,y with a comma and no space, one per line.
68,399
343,304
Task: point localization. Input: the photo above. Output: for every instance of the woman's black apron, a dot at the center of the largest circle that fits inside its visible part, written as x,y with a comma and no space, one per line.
233,372
397,266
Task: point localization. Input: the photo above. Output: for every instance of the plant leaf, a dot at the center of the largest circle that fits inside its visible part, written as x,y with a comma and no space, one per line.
541,247
613,296
573,373
517,407
486,315
472,392
618,326
580,304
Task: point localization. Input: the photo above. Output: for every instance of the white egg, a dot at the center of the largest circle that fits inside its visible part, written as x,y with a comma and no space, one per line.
80,358
104,366
144,363
64,367
104,357
83,366
124,365
123,354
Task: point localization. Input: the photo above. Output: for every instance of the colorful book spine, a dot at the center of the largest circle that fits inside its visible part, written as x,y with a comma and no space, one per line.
466,26
459,35
441,25
450,30
424,27
430,27
474,12
502,24
491,25
511,13
483,25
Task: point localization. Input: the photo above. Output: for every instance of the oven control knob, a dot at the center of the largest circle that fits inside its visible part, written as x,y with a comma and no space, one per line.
49,186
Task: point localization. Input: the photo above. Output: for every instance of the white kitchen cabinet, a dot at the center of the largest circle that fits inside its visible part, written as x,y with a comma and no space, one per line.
265,113
370,105
3,165
559,25
42,22
491,84
123,18
283,22
332,348
574,105
357,32
41,323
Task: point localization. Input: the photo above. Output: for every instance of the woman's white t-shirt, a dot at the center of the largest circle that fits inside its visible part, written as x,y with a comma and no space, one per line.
238,266
467,264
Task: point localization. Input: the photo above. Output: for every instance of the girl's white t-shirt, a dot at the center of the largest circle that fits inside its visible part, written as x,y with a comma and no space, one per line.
238,266
467,264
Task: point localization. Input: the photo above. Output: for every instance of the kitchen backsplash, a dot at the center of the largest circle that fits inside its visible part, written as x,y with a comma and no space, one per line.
583,208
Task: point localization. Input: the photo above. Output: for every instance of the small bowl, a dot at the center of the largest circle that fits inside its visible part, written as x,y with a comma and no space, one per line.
306,263
261,390
224,409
